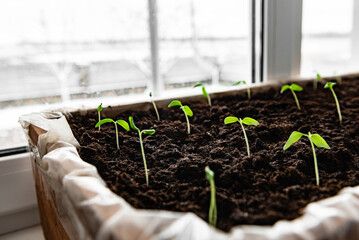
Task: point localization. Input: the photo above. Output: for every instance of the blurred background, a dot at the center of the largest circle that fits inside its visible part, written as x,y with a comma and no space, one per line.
90,51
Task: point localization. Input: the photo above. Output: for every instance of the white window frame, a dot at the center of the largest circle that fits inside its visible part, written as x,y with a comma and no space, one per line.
282,39
18,205
355,33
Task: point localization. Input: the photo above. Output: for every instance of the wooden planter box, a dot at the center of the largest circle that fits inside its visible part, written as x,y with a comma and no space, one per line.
74,202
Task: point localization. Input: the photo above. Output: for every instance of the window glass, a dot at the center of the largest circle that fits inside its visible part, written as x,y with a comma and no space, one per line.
330,34
61,51
83,52
204,41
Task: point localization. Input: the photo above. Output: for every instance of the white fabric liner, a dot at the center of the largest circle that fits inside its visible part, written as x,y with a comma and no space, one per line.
97,213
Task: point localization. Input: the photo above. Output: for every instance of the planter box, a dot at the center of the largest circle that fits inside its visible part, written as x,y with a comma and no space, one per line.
75,203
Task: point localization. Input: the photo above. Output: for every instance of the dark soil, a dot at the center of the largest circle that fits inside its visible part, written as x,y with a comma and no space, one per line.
270,185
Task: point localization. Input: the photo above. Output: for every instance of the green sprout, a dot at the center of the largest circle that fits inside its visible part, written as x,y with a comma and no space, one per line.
293,87
318,79
212,215
245,83
338,78
99,109
187,112
330,86
122,123
313,138
154,106
146,131
247,121
205,94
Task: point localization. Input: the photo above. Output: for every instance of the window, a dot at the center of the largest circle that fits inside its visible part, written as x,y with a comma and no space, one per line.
303,37
73,52
330,35
204,41
62,50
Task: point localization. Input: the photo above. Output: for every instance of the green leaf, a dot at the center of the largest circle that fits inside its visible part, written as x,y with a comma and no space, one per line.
329,84
209,173
229,120
99,108
175,103
319,141
149,131
239,82
106,120
319,77
150,94
187,111
295,136
284,88
250,121
204,92
296,87
198,85
123,124
132,124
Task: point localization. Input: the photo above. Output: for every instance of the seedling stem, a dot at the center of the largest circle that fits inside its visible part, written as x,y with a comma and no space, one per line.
247,121
248,89
315,159
295,98
188,125
212,214
122,123
338,78
330,86
314,139
143,157
117,142
315,83
245,137
146,131
187,112
293,87
154,106
205,94
99,109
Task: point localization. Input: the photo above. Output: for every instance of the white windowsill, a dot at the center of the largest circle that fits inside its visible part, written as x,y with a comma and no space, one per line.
18,205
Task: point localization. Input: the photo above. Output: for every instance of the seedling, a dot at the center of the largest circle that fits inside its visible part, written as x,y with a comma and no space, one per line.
99,109
313,138
247,121
330,86
187,112
212,215
338,78
248,89
122,123
318,79
205,94
154,106
293,87
146,131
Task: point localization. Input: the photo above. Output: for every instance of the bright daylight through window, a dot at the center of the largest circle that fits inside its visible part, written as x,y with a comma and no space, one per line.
65,53
330,41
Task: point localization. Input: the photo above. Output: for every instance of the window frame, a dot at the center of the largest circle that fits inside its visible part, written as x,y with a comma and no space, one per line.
271,22
282,39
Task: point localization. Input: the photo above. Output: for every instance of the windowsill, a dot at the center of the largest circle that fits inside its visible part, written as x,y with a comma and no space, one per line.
18,205
11,133
31,233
